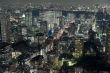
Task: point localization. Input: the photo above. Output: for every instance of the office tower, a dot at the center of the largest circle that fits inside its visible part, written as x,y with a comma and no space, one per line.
0,32
43,26
102,20
5,26
108,40
32,25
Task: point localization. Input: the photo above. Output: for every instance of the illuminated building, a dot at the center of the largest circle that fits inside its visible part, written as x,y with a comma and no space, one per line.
5,24
30,23
5,53
78,48
43,27
102,20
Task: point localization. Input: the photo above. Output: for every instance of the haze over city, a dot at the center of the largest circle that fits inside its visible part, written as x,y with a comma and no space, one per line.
20,3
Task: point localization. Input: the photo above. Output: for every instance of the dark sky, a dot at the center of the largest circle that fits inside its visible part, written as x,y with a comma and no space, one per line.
20,3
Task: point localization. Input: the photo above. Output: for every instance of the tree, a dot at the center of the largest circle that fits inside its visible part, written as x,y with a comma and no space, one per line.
67,41
64,68
21,59
35,47
93,63
23,69
66,56
92,43
37,60
22,46
4,44
5,57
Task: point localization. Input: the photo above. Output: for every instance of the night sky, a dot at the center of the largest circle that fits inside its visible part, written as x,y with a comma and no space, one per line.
20,3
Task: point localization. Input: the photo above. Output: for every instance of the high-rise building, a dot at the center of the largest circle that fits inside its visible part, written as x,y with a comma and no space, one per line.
78,47
102,20
5,25
0,31
108,40
31,23
43,26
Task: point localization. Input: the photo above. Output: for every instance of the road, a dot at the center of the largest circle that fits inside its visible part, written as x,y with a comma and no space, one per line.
56,37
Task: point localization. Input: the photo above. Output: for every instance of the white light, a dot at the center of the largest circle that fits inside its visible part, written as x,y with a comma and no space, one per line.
79,8
88,8
70,63
104,49
23,16
17,11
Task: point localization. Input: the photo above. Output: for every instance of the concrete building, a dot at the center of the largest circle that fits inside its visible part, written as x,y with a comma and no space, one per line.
5,24
108,41
102,20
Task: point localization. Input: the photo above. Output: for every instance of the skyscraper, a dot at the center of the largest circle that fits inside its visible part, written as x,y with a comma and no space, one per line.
108,40
0,30
5,26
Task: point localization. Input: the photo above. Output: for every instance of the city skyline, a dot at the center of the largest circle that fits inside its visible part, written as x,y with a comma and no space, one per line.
65,3
54,36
